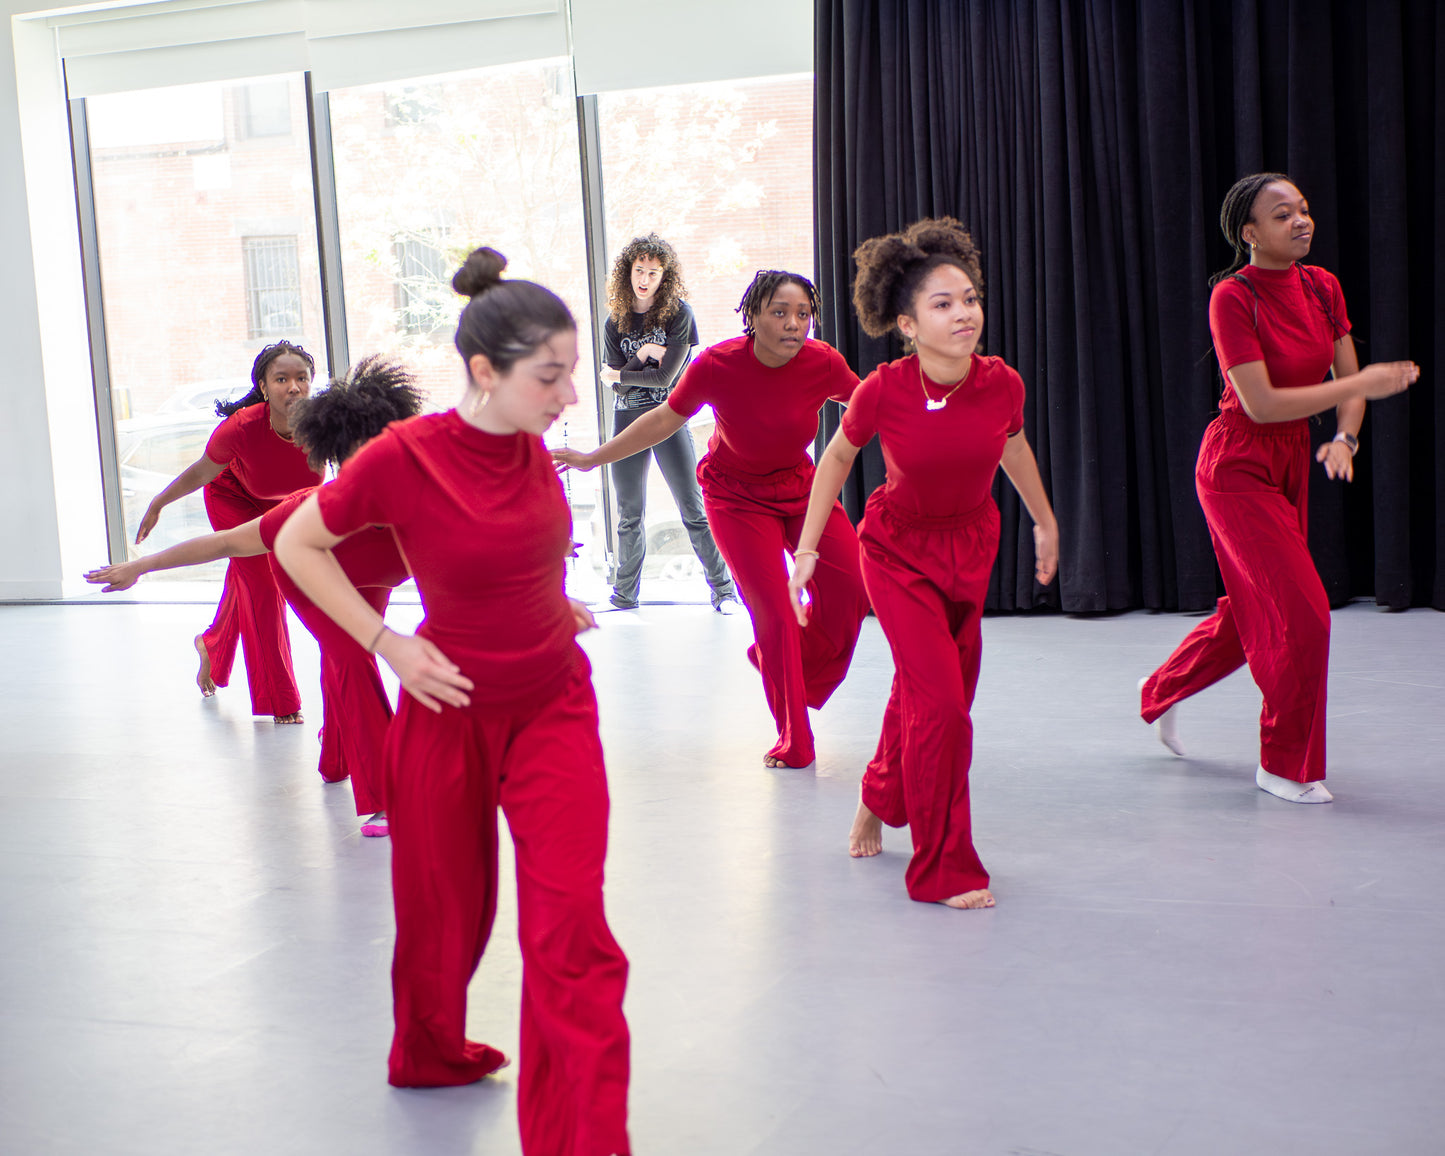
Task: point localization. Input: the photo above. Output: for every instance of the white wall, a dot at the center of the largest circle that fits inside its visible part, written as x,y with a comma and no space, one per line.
49,413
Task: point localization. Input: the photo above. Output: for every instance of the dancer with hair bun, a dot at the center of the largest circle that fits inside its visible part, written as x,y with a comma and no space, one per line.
498,713
765,389
1279,329
329,426
250,464
947,417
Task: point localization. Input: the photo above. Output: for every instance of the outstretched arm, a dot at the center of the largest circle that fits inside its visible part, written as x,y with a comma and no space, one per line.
191,479
237,542
828,481
1265,403
1022,468
655,426
303,547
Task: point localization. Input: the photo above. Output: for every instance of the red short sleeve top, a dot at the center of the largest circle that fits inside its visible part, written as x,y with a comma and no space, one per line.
1288,318
260,460
370,557
483,522
766,415
941,462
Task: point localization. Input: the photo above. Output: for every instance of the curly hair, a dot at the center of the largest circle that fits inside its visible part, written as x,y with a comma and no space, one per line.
258,375
765,283
891,269
333,424
1237,211
670,291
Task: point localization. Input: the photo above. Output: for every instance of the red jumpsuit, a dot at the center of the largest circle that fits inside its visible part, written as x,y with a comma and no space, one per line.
482,521
755,480
354,706
929,537
261,467
1253,482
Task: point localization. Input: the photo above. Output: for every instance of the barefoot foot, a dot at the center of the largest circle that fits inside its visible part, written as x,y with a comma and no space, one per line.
288,719
1291,791
203,676
772,762
969,900
866,837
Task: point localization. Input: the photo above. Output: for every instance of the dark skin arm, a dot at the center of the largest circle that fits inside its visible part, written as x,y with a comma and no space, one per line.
191,479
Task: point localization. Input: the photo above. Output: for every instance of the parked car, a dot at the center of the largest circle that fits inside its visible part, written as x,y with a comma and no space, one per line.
151,451
203,395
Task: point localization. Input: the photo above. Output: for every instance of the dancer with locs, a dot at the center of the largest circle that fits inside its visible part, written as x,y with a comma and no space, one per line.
947,418
648,340
329,426
765,389
1279,328
250,464
498,712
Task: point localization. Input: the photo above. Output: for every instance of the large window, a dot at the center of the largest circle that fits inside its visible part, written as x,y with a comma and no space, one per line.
207,238
208,244
725,173
429,170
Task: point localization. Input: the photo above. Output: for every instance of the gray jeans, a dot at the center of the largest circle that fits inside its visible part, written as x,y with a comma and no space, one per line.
678,461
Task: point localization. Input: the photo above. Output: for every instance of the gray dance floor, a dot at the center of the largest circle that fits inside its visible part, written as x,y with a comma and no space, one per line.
195,940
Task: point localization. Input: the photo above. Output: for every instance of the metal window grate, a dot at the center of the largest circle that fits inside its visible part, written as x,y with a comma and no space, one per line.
273,286
424,298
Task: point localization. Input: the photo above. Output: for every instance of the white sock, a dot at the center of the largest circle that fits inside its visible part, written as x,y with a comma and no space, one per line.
1291,791
1166,726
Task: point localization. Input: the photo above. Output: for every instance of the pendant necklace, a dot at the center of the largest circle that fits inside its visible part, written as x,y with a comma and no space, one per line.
928,402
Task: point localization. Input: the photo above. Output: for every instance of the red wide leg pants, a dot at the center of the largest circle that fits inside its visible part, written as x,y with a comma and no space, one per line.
928,579
355,711
447,775
754,520
252,610
1253,482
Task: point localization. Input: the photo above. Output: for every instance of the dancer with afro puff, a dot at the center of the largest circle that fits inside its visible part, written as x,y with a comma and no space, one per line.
947,418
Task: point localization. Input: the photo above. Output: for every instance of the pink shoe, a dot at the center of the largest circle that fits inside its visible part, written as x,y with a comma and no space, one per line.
376,826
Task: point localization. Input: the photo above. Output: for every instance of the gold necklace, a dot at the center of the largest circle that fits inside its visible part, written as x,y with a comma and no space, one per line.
271,421
928,402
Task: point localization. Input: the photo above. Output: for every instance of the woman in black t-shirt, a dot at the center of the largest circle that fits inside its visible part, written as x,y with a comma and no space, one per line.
649,337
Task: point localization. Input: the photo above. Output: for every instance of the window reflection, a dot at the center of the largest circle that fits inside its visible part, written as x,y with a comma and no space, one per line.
428,170
724,172
207,238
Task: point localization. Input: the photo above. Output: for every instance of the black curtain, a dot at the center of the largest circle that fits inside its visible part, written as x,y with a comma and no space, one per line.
1087,145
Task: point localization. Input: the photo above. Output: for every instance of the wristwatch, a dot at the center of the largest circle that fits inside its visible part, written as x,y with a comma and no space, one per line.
1352,443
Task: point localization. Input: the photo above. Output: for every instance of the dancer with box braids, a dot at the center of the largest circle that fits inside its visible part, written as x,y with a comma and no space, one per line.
765,389
1279,329
250,464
